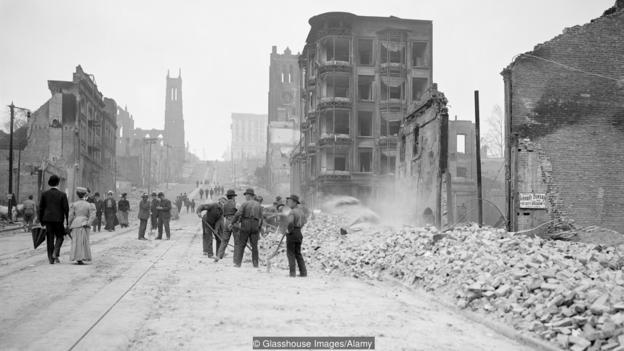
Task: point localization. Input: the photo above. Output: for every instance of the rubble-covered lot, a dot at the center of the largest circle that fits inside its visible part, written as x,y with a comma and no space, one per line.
569,293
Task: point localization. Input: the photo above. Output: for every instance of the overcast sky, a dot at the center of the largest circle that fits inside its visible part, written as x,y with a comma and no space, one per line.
223,50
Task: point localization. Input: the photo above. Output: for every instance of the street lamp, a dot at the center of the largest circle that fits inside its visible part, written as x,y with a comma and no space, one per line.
10,195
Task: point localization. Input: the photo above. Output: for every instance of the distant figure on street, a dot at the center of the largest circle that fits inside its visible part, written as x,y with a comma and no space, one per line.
99,209
201,194
187,204
250,216
123,206
211,193
154,212
164,216
110,212
53,211
294,238
193,205
144,215
81,217
178,202
30,209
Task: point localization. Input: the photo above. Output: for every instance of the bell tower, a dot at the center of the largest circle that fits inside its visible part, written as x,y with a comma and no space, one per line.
174,124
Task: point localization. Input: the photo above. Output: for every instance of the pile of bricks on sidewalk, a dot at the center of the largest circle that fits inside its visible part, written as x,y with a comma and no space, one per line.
569,293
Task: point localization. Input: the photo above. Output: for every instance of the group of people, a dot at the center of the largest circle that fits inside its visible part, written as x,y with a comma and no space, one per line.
224,219
211,191
183,200
158,212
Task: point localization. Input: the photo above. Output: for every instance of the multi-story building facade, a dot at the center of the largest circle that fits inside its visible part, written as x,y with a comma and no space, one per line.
284,112
73,135
359,76
249,136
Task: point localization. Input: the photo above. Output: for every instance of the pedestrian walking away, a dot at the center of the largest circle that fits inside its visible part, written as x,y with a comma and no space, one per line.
81,217
124,207
250,217
99,209
154,212
30,210
53,211
201,194
294,237
144,215
164,216
110,212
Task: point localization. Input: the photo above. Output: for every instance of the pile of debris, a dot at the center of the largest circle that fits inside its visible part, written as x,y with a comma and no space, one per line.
569,293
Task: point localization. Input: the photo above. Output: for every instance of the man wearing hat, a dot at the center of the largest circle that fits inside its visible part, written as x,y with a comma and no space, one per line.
211,226
229,210
154,212
250,216
164,216
53,211
144,215
296,220
110,211
99,208
123,206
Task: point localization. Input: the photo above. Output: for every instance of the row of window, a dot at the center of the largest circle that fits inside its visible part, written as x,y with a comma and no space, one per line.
339,49
340,87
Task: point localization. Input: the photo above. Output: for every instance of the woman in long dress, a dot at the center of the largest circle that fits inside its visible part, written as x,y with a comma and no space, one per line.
81,217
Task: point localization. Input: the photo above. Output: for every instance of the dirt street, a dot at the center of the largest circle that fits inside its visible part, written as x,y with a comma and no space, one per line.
164,295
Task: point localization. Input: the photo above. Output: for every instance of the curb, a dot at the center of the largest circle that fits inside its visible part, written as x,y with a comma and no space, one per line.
498,327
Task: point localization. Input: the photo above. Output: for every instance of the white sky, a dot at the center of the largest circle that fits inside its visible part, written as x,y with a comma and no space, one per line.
223,49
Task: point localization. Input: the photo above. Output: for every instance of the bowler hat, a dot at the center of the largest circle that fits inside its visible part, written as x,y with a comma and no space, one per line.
144,195
249,191
154,193
161,194
54,180
230,192
295,198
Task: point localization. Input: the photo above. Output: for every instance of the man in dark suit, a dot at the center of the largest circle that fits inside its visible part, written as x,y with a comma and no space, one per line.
53,211
164,215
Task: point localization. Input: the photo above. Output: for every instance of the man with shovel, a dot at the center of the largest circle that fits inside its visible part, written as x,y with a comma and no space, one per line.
211,225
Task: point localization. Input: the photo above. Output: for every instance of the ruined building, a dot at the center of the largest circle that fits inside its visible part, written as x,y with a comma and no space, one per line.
284,112
360,75
564,111
174,124
72,135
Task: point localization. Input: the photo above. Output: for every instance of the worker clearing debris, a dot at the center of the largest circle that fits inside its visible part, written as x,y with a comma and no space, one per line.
212,225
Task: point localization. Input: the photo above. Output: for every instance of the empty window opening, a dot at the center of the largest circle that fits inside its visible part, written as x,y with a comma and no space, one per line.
335,122
419,86
365,52
390,128
416,145
365,87
392,52
336,49
340,163
366,159
388,164
282,77
462,172
337,86
389,92
461,143
402,148
419,54
365,123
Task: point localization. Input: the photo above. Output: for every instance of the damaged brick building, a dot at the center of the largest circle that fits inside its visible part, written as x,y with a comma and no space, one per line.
360,74
564,114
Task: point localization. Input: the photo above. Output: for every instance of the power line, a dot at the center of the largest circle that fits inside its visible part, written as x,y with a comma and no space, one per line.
618,80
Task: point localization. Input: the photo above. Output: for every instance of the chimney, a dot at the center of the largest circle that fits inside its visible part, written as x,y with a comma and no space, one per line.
274,49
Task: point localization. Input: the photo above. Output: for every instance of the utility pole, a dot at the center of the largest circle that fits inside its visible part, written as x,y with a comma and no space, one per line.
10,193
478,152
150,141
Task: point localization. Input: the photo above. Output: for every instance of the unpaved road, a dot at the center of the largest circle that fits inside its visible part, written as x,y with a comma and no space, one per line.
163,295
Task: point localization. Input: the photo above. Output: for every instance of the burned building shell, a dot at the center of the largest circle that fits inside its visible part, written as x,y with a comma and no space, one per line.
360,74
564,114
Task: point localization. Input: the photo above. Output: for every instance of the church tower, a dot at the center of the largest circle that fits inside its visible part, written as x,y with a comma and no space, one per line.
174,124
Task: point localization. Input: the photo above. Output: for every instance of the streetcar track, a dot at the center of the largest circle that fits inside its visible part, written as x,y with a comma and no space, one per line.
130,288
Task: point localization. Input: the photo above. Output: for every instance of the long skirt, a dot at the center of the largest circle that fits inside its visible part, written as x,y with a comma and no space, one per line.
80,247
109,217
123,217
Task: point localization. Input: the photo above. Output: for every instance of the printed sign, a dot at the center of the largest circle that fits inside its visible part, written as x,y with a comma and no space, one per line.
532,200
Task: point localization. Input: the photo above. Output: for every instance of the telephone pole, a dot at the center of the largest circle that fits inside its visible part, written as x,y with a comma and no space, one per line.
10,193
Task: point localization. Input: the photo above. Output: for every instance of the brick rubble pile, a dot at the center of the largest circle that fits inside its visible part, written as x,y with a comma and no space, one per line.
568,293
